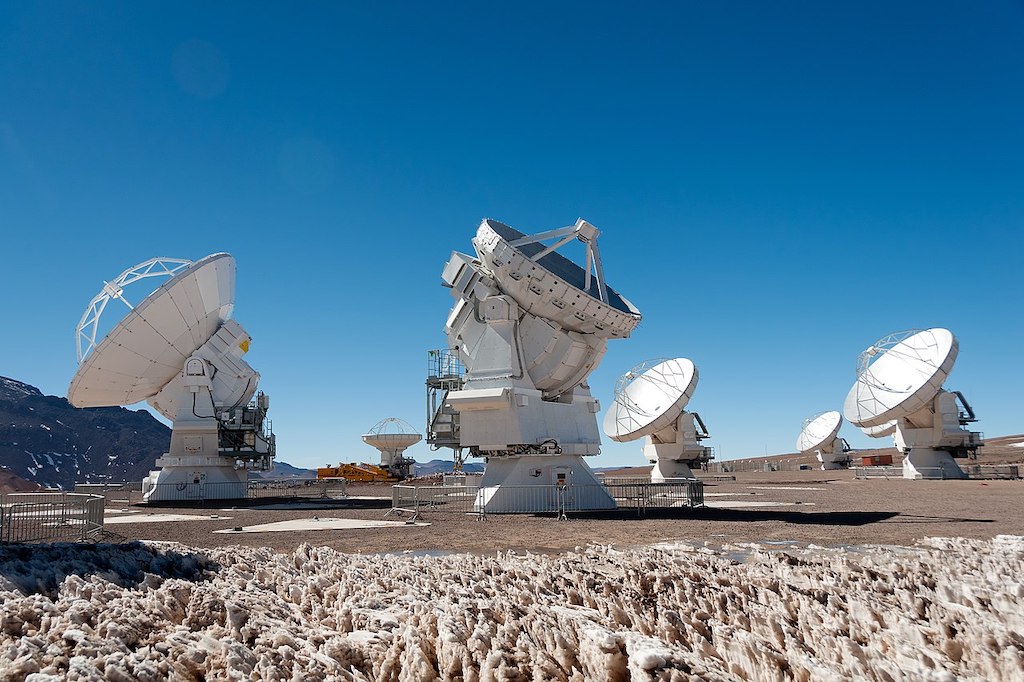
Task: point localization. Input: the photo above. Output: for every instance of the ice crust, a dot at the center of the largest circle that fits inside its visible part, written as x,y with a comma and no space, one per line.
947,609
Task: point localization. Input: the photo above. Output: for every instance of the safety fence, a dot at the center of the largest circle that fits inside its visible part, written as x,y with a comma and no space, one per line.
639,495
759,465
877,472
993,471
50,517
973,471
331,488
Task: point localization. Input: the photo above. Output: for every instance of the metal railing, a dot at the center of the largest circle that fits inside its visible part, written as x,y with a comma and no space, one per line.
878,472
732,466
50,517
993,471
640,495
332,488
974,471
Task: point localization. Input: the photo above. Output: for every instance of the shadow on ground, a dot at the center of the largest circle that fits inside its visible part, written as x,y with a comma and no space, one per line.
842,518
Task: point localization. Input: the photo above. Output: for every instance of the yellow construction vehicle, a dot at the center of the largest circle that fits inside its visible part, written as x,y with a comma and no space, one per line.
357,473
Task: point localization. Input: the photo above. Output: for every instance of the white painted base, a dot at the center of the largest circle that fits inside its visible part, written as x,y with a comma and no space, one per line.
665,470
202,479
830,461
931,464
528,484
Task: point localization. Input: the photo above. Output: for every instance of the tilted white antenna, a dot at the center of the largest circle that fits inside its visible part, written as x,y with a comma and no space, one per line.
529,325
89,324
178,349
899,386
584,232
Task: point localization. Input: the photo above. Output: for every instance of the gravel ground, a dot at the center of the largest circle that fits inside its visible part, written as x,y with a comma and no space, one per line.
840,511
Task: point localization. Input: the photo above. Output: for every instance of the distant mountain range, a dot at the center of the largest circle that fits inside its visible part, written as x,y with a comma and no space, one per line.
46,440
443,466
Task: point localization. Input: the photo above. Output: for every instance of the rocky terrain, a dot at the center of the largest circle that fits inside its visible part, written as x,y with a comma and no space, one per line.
944,610
46,440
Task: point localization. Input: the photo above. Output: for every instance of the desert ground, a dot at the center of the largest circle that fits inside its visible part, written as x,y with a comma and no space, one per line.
820,507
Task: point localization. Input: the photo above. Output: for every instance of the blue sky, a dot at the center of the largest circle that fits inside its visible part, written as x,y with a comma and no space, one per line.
777,185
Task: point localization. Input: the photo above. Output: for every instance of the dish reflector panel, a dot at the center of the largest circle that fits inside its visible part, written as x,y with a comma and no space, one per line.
880,431
552,286
900,375
649,398
148,348
818,430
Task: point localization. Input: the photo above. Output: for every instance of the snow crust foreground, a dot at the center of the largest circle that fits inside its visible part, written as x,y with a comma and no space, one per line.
950,608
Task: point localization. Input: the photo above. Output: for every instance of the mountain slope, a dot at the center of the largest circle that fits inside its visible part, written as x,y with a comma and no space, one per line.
46,440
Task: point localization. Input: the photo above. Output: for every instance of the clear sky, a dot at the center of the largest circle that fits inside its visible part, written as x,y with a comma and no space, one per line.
777,184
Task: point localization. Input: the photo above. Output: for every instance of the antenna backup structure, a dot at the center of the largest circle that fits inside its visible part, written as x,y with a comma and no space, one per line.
899,379
821,435
649,402
179,350
528,326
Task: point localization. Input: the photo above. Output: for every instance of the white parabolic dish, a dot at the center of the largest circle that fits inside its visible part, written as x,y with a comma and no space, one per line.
651,401
818,430
903,379
148,348
392,441
392,433
880,431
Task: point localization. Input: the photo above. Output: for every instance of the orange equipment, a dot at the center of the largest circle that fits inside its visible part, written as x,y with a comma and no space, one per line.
357,473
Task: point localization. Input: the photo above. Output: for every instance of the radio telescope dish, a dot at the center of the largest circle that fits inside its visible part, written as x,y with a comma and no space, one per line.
899,375
147,348
880,431
649,398
820,429
392,436
547,284
649,403
821,434
528,325
899,386
178,349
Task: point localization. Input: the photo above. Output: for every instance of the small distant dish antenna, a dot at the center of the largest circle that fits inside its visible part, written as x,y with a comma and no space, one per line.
392,436
820,434
649,403
899,380
179,350
528,327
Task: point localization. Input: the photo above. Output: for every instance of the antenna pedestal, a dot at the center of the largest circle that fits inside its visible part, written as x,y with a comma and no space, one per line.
830,461
674,451
494,422
930,463
933,437
530,484
212,445
194,478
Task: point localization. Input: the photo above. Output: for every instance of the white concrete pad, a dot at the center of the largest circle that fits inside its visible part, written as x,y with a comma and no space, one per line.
159,518
319,524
